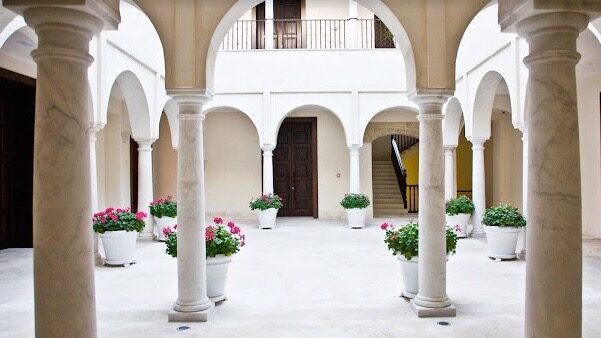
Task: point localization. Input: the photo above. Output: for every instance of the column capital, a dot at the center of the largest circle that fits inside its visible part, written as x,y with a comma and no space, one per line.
355,150
450,148
268,148
145,144
430,102
478,143
93,130
190,101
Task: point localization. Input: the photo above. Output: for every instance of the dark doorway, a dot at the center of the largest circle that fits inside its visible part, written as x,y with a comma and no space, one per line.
383,37
287,26
133,174
295,166
17,113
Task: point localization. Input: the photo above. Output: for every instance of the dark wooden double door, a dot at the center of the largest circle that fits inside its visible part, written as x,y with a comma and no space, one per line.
295,167
17,112
287,27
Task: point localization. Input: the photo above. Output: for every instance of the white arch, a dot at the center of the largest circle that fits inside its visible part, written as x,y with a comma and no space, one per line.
376,6
232,107
479,124
371,114
137,105
453,122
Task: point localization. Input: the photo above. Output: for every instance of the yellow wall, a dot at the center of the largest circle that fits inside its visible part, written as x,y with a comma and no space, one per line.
164,159
464,163
410,159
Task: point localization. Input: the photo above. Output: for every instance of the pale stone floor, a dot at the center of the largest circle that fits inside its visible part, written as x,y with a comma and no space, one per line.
306,278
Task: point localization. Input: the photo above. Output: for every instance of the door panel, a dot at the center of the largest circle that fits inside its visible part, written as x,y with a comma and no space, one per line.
293,167
287,31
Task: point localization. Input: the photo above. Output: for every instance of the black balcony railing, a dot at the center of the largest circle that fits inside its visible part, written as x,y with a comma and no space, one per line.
310,34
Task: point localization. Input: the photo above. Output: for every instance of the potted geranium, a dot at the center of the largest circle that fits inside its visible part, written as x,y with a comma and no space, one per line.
503,224
118,229
266,206
356,209
164,211
459,211
404,243
222,242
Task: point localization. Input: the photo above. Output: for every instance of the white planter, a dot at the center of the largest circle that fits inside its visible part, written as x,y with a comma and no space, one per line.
162,222
119,246
502,241
409,270
356,217
461,220
217,276
267,218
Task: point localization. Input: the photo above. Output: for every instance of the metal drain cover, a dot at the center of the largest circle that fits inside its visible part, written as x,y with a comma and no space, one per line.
444,323
183,328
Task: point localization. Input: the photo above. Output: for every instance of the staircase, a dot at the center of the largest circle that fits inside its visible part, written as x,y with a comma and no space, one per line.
386,192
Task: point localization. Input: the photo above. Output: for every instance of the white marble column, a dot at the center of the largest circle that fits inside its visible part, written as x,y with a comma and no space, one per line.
478,186
63,248
432,299
145,186
450,175
524,129
355,172
554,261
269,24
267,169
353,25
192,304
98,259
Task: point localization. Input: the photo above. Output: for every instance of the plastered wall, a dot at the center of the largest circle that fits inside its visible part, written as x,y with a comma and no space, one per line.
164,163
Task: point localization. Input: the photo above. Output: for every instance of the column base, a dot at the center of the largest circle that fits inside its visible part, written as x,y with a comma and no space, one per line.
98,260
429,312
522,255
190,317
146,235
478,234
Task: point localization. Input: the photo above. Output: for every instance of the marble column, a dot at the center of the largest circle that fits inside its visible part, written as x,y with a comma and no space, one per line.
524,129
63,248
192,304
145,187
98,259
554,262
432,299
268,169
450,174
354,173
478,186
269,24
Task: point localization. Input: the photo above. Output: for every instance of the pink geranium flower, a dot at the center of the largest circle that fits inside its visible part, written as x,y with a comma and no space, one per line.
218,220
108,210
140,216
384,226
114,217
167,231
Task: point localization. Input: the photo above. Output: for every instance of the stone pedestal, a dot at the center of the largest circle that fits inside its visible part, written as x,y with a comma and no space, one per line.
450,174
478,186
192,304
63,259
268,169
354,173
432,299
145,187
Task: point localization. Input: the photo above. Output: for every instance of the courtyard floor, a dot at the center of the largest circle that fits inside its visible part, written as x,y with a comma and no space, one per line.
307,278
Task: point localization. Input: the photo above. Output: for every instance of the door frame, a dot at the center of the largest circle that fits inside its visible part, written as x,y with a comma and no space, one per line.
314,174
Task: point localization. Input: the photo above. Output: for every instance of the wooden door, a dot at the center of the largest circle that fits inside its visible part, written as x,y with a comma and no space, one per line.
288,26
295,163
17,113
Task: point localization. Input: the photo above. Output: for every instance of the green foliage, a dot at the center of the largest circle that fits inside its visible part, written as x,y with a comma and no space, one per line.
118,220
164,207
220,239
504,215
266,201
460,205
405,240
355,201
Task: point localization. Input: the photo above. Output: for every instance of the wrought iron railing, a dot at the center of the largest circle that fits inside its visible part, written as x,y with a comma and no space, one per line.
310,34
413,198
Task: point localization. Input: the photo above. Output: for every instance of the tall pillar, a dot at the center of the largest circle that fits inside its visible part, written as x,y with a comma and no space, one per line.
554,262
268,24
450,175
353,25
145,187
268,169
478,186
432,299
524,129
63,259
94,187
192,304
354,174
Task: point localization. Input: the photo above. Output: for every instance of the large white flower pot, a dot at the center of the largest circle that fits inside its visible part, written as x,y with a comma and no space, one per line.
119,246
267,218
217,276
502,241
162,222
356,217
461,221
409,270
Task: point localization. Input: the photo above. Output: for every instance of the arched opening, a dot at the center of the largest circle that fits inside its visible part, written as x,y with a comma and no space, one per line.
232,162
311,162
